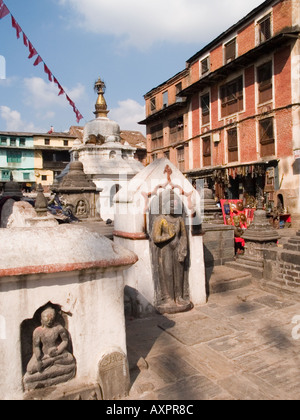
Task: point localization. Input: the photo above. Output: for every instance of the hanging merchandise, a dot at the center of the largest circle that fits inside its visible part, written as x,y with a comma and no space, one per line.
4,11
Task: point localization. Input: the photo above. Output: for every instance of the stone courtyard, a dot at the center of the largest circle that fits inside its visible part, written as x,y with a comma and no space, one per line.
243,345
239,346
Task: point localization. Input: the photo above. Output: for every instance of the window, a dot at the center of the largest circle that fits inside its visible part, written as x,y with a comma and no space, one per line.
165,99
66,143
180,158
13,141
206,151
14,156
178,89
232,138
22,142
3,140
154,157
230,51
44,177
167,154
176,129
232,97
152,104
157,136
264,78
47,142
266,135
26,176
5,175
265,29
205,66
205,109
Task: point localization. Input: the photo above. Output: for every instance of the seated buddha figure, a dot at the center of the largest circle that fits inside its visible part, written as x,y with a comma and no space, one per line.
51,362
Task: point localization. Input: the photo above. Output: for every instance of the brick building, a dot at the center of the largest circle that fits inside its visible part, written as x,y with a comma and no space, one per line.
232,115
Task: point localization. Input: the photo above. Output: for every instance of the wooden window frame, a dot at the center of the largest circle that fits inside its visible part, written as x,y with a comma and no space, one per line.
230,51
265,82
232,145
180,152
176,129
205,66
267,137
152,104
265,28
206,151
205,109
14,156
157,136
232,97
165,99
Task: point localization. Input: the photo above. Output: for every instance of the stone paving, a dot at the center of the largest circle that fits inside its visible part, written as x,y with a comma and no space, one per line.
240,346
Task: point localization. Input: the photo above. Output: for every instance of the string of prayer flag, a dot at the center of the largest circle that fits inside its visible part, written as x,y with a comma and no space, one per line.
4,11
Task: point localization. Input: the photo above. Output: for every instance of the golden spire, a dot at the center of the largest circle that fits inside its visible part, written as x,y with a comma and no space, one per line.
101,106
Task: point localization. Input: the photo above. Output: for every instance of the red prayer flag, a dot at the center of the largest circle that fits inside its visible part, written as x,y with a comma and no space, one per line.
32,50
70,102
1,3
78,115
16,26
25,40
61,91
3,11
37,61
48,72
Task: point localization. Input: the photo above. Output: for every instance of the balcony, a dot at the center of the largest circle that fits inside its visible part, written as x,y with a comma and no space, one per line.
54,166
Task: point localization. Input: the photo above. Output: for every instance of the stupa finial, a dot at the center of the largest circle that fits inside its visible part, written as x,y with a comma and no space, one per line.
101,106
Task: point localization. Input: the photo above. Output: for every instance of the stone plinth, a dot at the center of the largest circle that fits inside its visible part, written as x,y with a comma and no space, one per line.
78,191
258,237
218,241
81,275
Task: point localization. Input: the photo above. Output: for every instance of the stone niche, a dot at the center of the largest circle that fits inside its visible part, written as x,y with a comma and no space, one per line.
137,209
61,285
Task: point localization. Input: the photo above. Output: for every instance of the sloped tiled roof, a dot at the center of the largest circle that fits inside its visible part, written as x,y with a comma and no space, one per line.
134,138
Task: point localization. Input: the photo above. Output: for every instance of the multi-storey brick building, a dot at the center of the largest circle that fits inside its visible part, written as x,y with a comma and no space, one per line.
232,115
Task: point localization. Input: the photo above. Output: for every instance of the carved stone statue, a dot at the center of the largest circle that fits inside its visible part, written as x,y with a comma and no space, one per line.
169,236
51,362
81,208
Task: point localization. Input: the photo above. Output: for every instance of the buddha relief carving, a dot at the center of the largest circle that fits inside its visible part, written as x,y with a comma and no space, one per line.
51,362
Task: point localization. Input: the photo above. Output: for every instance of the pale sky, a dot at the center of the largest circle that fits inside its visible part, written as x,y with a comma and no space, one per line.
134,45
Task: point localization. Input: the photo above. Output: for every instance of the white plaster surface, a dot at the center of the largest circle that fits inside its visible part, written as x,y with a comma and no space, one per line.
131,218
93,298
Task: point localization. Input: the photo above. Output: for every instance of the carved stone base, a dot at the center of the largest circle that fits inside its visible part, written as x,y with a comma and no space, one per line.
174,308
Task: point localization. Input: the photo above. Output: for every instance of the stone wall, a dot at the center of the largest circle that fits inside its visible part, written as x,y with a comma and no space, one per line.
282,268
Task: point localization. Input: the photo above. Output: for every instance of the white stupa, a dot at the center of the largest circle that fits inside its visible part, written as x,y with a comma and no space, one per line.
110,164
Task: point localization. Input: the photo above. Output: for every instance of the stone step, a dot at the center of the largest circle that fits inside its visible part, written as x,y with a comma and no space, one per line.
292,247
295,240
281,289
224,279
256,272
